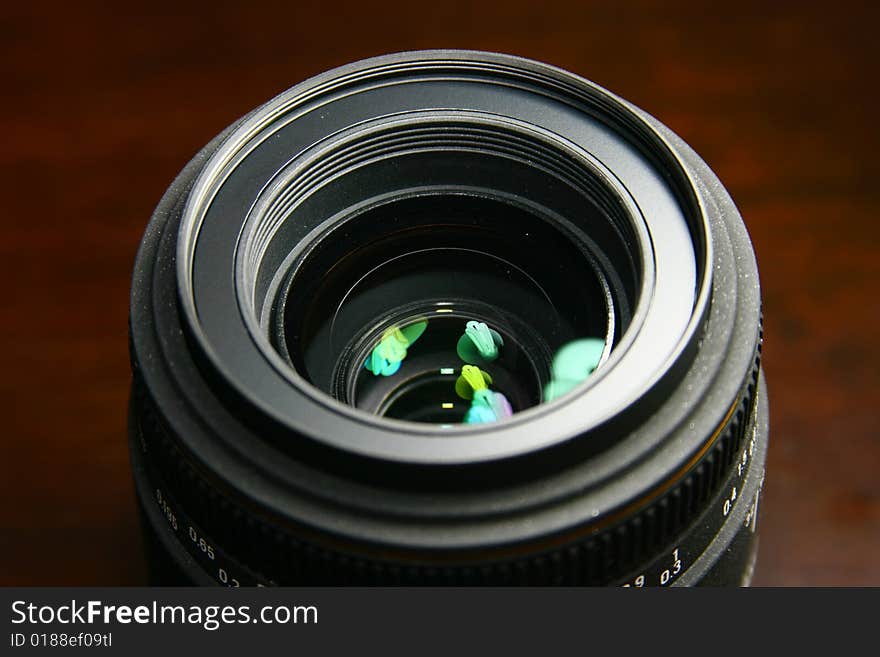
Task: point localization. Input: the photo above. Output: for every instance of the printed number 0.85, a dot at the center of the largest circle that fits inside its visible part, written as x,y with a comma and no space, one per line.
202,543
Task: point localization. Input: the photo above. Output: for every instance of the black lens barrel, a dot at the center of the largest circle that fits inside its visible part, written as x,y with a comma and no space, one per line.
248,469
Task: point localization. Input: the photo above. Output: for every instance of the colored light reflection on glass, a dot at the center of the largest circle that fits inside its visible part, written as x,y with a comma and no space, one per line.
479,344
387,356
572,364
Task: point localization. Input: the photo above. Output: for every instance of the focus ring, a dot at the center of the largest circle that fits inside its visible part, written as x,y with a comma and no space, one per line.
604,556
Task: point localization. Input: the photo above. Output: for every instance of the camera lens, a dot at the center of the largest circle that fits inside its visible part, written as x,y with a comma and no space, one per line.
447,317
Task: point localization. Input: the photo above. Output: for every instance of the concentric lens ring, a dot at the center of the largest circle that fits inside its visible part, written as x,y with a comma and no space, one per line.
672,303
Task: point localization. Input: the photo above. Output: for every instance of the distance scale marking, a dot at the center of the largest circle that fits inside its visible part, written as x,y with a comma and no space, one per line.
225,570
688,547
216,563
663,571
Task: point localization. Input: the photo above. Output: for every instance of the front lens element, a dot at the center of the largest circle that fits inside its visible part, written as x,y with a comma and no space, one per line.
386,322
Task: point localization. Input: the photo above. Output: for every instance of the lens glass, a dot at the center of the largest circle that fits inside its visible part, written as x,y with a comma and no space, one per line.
464,309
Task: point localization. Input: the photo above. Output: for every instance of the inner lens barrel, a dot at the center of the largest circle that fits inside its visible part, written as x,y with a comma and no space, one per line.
388,309
447,317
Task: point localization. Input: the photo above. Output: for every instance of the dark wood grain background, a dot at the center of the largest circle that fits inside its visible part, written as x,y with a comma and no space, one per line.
100,110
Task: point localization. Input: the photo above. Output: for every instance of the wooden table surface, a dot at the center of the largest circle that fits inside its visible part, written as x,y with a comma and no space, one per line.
101,110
